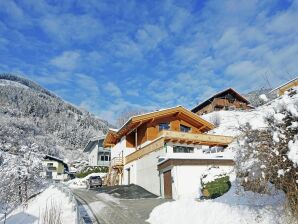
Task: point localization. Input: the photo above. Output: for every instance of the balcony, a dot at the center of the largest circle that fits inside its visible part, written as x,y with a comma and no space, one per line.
180,137
198,139
117,162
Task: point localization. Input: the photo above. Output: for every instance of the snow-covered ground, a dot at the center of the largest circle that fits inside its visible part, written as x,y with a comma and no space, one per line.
81,182
38,207
235,207
231,121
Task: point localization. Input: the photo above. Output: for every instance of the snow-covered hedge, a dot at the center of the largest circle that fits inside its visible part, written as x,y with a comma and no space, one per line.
270,155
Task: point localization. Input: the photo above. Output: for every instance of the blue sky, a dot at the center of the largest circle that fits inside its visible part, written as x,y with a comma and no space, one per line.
111,56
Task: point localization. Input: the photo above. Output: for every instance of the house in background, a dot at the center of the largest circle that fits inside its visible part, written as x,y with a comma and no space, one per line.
166,152
228,99
280,90
54,168
97,154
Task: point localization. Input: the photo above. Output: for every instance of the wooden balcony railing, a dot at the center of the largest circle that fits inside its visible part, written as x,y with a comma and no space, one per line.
153,146
117,162
190,138
181,137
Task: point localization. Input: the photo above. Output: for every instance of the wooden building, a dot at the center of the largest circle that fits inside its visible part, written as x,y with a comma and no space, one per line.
154,149
280,90
228,99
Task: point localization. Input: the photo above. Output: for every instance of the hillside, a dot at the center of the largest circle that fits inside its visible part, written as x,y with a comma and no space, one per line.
35,122
31,115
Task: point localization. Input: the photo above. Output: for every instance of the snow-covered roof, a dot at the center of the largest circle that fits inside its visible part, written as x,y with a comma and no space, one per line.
49,157
92,141
284,84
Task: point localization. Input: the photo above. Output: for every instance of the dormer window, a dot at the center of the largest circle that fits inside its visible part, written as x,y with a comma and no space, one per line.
163,126
184,128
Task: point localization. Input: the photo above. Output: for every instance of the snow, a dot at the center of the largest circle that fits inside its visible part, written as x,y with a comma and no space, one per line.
213,173
81,182
293,151
37,207
235,207
263,97
108,197
4,82
230,121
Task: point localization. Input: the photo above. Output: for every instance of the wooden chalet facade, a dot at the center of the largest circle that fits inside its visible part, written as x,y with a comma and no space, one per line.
228,99
145,142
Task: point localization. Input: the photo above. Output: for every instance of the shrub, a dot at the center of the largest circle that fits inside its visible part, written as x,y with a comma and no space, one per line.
88,170
217,187
263,157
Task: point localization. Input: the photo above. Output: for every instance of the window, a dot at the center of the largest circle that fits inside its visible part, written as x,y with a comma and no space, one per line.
182,149
184,128
105,157
52,168
164,126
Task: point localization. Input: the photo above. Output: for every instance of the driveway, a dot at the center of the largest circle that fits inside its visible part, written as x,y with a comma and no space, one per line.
116,210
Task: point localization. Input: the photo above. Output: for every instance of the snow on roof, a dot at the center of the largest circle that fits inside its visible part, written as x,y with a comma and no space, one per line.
55,159
92,140
284,84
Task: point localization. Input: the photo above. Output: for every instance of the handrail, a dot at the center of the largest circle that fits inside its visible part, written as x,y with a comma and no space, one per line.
117,161
151,147
204,138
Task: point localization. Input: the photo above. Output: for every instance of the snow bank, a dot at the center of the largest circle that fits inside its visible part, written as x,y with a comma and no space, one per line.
37,206
208,212
293,151
234,207
230,121
81,182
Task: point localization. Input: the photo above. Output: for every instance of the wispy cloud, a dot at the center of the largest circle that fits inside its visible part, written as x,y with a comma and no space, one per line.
68,60
142,55
113,89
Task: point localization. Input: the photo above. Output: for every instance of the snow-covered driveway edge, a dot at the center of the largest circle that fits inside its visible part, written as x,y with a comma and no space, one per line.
40,205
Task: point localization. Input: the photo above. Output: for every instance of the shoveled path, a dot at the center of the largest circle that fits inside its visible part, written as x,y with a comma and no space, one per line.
120,205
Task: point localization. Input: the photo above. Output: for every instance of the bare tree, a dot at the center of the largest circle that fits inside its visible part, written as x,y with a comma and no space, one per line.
126,114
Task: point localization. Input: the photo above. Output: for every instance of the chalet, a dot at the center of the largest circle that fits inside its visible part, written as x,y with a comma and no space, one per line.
228,99
280,90
165,152
97,154
55,168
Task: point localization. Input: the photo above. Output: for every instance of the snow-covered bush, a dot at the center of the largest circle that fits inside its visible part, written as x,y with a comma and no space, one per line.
215,182
270,155
215,119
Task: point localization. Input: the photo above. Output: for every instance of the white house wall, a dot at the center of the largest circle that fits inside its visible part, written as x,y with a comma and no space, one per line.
187,180
144,173
120,147
93,155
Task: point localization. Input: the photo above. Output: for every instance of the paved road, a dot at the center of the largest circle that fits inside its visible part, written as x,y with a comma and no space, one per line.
111,210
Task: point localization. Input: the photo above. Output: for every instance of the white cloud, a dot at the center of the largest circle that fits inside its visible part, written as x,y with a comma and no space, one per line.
149,36
69,27
113,89
68,60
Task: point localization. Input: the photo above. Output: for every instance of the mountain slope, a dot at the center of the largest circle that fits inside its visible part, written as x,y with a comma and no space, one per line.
30,114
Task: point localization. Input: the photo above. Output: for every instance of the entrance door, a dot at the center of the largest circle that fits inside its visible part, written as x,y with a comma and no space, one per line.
167,177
